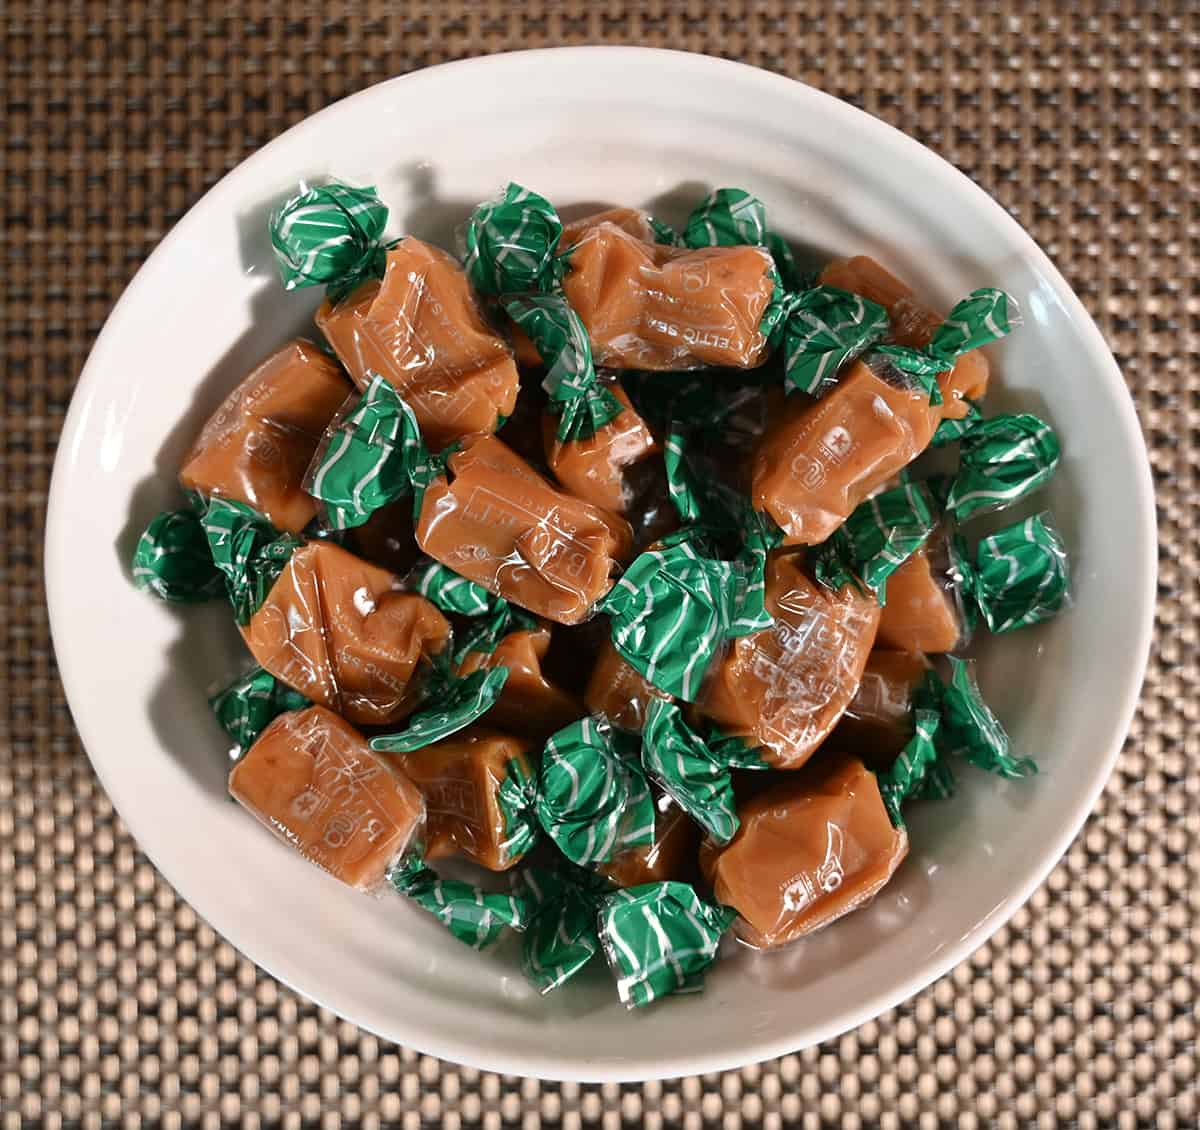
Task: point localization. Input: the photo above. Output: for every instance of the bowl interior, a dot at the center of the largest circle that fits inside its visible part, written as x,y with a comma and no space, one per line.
599,126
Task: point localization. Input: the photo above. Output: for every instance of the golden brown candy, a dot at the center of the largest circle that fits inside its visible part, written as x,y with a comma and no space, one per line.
809,849
619,692
913,324
313,780
647,306
499,523
460,779
784,688
256,447
529,704
420,328
922,612
596,469
672,855
339,631
822,458
879,720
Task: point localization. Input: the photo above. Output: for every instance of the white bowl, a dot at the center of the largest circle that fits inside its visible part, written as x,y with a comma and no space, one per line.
602,125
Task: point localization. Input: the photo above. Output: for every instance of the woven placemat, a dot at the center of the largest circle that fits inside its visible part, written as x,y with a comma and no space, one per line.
118,1007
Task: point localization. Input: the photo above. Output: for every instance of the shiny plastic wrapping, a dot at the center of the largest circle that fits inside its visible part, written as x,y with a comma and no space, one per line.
785,687
649,306
672,855
618,692
342,633
496,521
256,447
461,779
421,328
809,850
313,781
924,610
878,723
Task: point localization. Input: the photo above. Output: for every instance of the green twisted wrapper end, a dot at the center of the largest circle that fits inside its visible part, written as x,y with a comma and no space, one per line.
695,770
329,235
451,592
917,364
972,731
250,703
368,458
727,217
984,316
593,798
172,559
583,405
672,610
951,431
455,704
473,915
1021,575
909,773
563,932
660,938
516,798
664,234
878,537
823,328
1001,460
249,552
512,244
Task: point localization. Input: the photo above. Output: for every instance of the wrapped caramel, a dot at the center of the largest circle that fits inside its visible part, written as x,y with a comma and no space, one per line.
671,856
809,850
618,692
256,447
878,723
924,611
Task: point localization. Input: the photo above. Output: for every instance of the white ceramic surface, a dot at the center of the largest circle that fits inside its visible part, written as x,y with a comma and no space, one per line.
590,125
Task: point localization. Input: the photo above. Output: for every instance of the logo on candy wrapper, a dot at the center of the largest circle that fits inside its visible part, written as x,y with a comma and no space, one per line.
805,889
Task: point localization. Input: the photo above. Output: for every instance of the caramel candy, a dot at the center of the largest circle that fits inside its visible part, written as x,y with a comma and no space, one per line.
784,688
530,704
386,537
922,612
313,780
879,720
460,779
647,306
256,447
618,692
809,850
822,458
672,855
339,631
421,329
499,523
596,469
912,324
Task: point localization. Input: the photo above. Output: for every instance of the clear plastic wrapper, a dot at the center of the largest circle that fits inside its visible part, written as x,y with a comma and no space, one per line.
1001,460
257,446
448,704
314,782
671,856
878,723
785,687
809,850
476,785
249,704
493,519
924,610
618,692
563,932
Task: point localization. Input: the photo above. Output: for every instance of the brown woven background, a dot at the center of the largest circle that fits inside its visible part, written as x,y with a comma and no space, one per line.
118,1007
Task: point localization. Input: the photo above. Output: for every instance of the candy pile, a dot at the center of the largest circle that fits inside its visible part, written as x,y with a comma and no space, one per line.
599,560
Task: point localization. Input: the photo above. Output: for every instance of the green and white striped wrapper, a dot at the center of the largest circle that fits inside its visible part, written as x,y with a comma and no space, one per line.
917,364
660,938
516,797
366,458
951,431
249,552
455,704
1001,460
695,770
971,731
172,559
473,915
582,403
672,610
593,798
1021,575
906,778
682,484
512,244
563,934
878,537
823,328
984,316
451,592
250,703
329,235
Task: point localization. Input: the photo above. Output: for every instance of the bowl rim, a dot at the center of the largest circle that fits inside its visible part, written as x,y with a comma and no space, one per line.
473,1049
